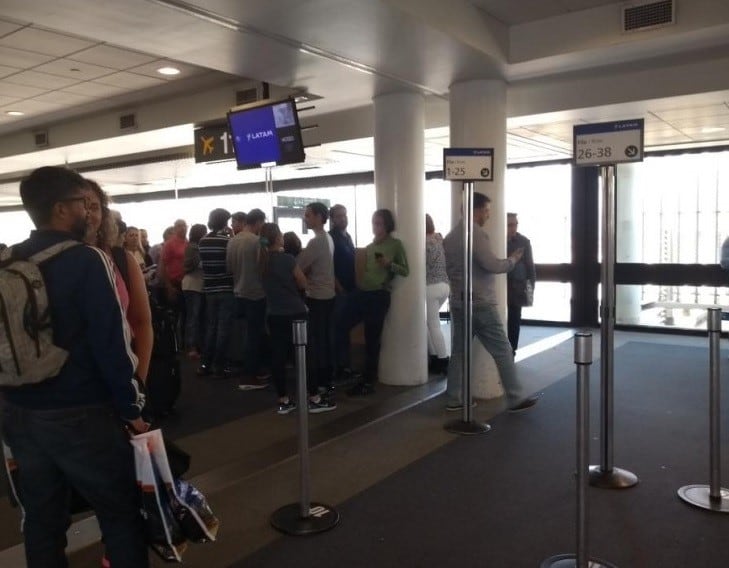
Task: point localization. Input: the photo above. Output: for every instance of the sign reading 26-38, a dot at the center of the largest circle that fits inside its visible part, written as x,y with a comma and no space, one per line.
468,164
607,143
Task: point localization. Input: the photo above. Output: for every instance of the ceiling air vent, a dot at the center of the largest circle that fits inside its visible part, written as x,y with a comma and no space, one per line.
639,17
246,96
128,121
40,139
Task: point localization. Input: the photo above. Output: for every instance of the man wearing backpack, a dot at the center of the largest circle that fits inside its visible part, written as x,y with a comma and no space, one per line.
68,430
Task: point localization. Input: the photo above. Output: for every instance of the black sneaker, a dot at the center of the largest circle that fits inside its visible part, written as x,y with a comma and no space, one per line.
322,405
252,383
204,371
286,407
525,404
361,389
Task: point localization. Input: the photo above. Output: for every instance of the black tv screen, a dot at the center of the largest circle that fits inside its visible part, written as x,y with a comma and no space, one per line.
266,133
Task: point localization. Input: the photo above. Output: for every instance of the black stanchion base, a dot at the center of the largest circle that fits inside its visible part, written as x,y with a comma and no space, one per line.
700,496
466,428
288,519
614,478
570,561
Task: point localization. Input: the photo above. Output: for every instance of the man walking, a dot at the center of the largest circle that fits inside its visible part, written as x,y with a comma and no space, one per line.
519,281
487,326
68,431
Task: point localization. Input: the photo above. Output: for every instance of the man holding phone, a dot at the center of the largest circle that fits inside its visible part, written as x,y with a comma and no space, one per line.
487,325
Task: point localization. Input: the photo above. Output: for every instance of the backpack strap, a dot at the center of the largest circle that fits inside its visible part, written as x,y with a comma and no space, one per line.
53,250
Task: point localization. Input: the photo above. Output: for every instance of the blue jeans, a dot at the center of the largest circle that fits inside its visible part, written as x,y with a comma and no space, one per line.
193,320
87,448
219,307
253,354
489,330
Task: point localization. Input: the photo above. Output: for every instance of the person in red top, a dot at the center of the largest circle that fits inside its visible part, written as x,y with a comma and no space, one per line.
173,260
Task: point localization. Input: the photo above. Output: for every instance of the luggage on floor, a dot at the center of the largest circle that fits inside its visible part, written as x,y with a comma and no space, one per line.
163,380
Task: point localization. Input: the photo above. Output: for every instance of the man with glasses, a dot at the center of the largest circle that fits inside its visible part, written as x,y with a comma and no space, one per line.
68,431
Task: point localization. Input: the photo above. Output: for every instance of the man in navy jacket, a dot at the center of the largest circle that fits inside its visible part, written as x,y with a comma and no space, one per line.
68,431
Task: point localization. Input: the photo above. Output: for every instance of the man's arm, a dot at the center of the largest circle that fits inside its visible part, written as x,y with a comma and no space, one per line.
484,257
529,262
307,256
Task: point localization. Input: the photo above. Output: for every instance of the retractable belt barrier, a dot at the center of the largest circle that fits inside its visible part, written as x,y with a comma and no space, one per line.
583,360
712,496
304,517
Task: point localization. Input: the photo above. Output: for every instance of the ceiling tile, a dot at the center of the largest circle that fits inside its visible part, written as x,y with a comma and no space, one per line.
130,80
40,80
94,89
22,58
112,57
8,27
692,112
18,91
42,41
73,69
5,71
30,106
62,98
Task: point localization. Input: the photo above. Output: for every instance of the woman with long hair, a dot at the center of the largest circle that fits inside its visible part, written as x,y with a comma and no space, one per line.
375,266
283,282
436,292
102,232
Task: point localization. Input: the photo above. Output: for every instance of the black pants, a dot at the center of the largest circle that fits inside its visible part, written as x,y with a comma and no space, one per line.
254,311
319,358
281,331
513,325
371,308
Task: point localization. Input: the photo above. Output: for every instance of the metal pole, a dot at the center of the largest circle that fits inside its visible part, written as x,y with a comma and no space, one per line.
299,334
467,425
583,360
304,517
713,496
713,321
606,475
467,297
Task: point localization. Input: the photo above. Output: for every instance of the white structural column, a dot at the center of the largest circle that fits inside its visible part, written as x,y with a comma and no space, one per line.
478,120
399,182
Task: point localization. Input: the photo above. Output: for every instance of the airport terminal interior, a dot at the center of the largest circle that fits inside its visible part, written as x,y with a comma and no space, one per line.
136,95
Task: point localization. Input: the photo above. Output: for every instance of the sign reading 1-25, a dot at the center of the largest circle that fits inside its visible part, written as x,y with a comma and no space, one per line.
608,143
468,164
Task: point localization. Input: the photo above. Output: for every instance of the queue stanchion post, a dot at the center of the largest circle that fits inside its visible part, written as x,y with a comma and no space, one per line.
467,425
583,360
303,518
606,475
712,497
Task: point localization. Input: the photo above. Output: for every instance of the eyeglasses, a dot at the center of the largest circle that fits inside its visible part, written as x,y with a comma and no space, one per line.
69,199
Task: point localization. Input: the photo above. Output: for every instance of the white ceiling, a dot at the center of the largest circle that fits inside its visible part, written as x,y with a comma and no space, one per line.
67,64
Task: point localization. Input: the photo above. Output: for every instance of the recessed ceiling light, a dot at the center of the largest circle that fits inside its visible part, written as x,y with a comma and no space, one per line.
14,112
168,71
710,129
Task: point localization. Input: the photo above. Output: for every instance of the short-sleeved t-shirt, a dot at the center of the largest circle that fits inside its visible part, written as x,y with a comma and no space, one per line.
282,295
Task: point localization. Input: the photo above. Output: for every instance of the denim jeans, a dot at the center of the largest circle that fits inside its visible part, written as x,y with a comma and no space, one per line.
219,307
193,321
87,448
489,330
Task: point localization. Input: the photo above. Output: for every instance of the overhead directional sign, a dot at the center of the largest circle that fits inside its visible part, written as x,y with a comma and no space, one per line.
607,143
468,164
212,143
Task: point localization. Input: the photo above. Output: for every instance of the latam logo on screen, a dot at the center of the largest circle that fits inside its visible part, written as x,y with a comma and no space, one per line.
257,135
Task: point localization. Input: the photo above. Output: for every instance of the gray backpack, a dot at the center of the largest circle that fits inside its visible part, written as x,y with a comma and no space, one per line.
27,352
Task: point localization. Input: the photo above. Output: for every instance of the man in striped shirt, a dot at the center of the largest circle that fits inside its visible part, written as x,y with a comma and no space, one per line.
219,300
